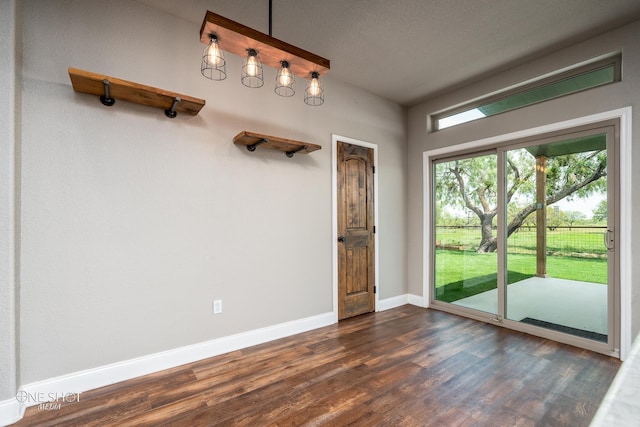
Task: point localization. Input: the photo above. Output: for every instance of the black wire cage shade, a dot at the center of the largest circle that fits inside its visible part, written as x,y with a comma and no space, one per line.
252,75
213,65
314,93
285,80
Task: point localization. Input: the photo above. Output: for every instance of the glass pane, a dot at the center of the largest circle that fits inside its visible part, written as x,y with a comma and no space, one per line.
556,197
533,95
553,90
465,255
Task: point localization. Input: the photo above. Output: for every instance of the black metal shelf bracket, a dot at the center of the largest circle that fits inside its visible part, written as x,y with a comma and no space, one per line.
292,152
106,99
171,112
253,146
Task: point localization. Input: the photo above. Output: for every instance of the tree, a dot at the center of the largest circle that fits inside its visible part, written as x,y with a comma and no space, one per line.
555,217
600,212
571,217
471,183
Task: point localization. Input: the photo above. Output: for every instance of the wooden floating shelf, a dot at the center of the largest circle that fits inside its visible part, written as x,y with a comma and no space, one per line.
236,38
97,84
290,147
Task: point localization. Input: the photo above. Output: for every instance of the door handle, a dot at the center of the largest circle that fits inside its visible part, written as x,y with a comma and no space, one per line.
609,241
341,239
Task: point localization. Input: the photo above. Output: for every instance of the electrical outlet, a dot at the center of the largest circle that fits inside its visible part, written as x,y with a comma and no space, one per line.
217,306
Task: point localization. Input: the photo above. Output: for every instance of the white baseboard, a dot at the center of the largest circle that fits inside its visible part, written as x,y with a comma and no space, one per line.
393,302
416,300
78,382
10,411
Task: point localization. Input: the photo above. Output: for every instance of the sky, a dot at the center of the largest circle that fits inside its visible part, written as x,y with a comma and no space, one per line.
586,206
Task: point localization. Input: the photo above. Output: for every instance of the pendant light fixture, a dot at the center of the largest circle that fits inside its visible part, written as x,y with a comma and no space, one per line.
314,94
252,70
221,33
213,64
285,80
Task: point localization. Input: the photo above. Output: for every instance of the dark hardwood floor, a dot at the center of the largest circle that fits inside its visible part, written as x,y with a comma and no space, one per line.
403,367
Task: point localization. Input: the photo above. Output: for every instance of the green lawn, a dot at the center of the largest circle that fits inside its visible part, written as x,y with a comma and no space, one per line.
460,274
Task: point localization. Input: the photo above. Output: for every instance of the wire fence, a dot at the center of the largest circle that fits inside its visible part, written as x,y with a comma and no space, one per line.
576,241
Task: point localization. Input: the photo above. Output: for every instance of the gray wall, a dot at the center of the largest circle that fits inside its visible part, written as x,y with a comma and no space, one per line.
133,223
9,131
623,94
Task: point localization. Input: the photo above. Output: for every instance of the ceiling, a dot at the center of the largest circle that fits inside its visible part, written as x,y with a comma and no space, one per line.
409,50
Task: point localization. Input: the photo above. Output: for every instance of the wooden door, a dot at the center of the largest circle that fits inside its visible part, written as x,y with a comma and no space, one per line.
356,251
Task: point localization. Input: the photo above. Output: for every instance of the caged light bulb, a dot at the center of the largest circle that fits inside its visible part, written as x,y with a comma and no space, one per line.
213,64
314,94
252,70
285,80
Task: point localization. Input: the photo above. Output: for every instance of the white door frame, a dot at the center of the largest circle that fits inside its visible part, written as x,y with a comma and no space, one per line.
334,214
625,221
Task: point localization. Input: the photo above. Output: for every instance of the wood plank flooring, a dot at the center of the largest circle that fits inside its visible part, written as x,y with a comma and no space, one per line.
403,367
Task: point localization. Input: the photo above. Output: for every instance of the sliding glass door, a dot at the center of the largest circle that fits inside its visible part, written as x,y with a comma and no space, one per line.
524,235
560,234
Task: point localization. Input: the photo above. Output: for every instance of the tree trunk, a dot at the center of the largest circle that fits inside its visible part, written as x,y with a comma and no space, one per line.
488,242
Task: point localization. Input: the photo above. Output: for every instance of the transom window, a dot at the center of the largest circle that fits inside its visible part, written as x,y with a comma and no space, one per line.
594,74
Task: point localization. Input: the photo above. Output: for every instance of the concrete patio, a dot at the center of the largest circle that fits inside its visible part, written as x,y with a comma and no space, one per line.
580,305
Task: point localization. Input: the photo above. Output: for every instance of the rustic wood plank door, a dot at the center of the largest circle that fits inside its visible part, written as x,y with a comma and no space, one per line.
356,244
